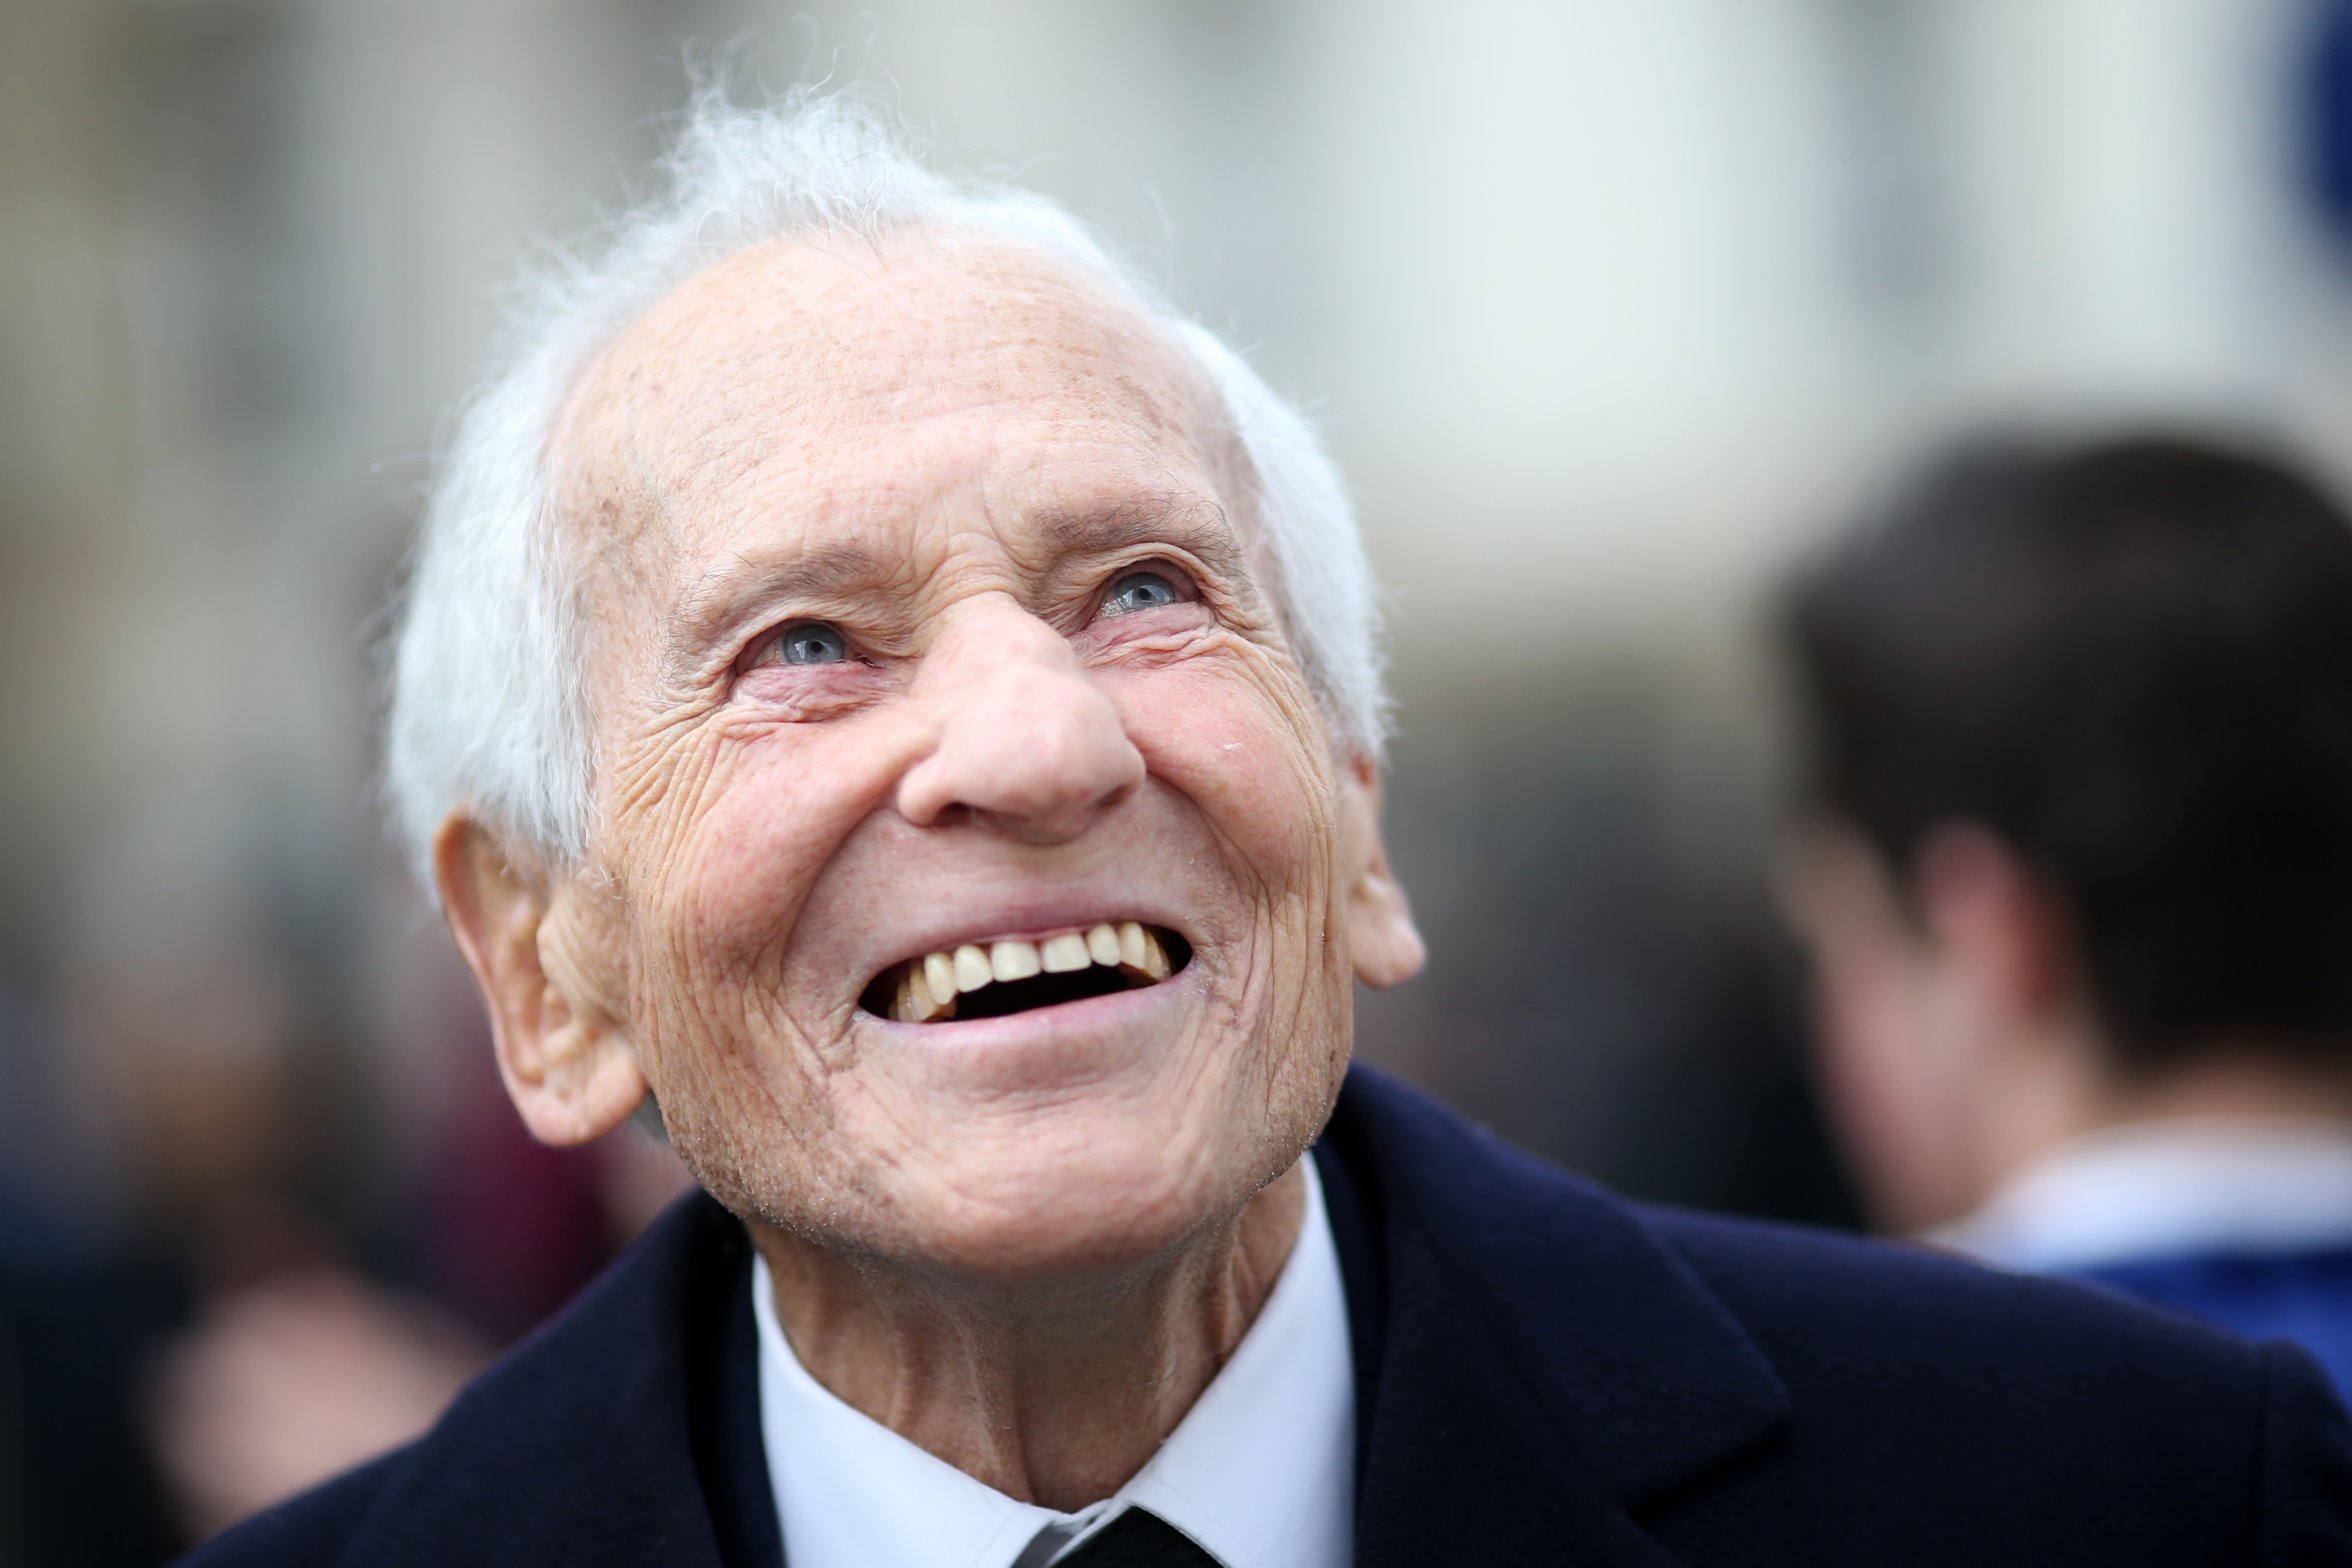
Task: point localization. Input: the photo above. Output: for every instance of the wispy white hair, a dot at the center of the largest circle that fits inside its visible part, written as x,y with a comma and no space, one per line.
488,708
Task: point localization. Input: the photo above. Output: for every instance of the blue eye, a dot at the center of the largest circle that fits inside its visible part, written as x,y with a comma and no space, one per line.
812,642
1139,591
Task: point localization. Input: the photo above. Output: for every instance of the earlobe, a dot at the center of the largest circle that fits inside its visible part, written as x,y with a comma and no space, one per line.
569,1070
1386,945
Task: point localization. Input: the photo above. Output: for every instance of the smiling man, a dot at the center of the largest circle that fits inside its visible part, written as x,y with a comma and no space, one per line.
879,685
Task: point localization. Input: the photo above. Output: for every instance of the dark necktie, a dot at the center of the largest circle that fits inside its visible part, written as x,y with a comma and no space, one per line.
1139,1540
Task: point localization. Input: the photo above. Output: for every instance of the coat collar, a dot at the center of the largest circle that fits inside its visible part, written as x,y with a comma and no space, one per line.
1543,1367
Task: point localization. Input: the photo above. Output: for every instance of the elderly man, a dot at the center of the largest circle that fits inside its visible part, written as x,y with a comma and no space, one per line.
879,685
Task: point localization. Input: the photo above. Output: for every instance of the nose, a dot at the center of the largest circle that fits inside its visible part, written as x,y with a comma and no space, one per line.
1030,744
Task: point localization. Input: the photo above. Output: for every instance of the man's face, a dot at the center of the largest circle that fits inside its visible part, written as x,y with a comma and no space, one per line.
1954,1037
923,622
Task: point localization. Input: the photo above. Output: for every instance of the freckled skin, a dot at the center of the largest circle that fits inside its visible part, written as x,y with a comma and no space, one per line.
1025,1242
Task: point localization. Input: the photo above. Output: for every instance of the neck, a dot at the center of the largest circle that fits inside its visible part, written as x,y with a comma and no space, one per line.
1055,1394
2248,1083
2078,1093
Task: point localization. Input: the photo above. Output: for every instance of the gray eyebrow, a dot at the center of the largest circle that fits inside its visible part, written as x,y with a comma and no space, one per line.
1198,528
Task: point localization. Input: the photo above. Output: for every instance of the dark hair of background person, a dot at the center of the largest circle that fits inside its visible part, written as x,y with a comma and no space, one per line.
2132,661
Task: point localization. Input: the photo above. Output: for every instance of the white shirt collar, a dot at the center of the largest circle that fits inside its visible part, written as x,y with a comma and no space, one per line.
1261,1471
2165,1188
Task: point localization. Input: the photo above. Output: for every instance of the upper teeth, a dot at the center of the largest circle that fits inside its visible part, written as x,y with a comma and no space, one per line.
928,986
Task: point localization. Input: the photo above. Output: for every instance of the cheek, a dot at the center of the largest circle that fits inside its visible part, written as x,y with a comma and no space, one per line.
1242,747
1890,1104
733,857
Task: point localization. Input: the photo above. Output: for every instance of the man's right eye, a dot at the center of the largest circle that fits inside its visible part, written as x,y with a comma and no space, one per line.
808,642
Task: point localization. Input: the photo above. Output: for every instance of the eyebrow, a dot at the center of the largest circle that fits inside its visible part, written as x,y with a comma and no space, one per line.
1200,529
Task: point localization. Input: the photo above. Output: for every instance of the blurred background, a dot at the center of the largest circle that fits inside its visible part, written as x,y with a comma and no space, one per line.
1610,310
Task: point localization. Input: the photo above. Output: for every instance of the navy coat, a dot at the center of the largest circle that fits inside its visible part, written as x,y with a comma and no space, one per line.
2306,1296
1546,1373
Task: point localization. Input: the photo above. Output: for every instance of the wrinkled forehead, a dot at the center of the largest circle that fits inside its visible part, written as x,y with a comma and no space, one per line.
816,360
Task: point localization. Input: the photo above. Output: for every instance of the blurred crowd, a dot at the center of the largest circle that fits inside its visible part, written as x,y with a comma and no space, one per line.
222,1281
1973,865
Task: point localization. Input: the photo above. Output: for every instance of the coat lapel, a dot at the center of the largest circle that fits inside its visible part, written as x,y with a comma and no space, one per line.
625,1433
1542,1367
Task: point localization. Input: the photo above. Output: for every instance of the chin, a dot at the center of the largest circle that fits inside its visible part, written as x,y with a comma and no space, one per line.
1089,1187
1083,1138
1082,1216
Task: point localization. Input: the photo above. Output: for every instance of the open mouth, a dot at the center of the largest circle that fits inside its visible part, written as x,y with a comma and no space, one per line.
990,979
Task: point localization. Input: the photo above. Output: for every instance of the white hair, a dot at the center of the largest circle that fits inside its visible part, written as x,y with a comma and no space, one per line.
487,705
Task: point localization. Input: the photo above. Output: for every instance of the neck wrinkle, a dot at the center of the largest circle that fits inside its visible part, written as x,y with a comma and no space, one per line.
1031,1390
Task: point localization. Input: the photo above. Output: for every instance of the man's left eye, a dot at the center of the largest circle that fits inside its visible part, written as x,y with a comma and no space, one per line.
1139,591
811,642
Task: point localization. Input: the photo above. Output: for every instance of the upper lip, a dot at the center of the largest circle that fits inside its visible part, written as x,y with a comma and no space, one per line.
1033,921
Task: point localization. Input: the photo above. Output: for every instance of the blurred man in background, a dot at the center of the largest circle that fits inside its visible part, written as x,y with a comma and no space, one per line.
2078,876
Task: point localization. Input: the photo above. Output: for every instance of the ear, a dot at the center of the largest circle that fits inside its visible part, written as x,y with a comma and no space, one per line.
2002,926
569,1070
1381,934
